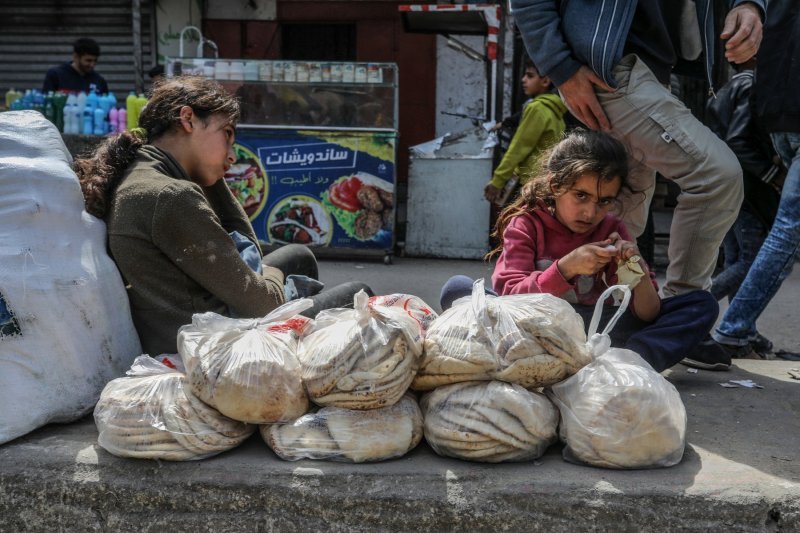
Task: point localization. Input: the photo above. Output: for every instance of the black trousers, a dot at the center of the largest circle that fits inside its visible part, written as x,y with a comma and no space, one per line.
298,259
683,322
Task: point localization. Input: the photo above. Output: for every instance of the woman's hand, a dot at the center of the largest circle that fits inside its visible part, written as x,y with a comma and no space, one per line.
588,259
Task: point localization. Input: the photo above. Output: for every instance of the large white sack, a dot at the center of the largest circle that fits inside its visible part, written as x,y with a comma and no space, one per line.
71,330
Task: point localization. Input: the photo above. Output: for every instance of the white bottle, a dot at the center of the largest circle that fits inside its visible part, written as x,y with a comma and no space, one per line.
251,71
81,103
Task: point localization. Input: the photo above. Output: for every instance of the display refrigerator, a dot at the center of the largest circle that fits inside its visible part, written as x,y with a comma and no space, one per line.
315,148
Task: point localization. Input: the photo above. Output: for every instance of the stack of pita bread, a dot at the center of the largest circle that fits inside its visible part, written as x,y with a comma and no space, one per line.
617,412
338,434
361,358
152,415
246,369
534,340
489,421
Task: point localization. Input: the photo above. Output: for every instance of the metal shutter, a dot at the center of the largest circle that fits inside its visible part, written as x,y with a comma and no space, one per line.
38,34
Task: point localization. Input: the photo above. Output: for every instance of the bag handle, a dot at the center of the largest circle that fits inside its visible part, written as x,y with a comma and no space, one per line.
598,309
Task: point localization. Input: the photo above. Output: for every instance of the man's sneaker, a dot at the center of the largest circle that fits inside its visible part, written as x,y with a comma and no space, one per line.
761,345
711,355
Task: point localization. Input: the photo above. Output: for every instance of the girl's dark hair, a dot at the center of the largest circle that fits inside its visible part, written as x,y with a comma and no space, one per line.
101,173
580,152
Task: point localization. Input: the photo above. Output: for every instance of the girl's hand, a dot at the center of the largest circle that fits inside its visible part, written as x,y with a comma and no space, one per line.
588,259
625,249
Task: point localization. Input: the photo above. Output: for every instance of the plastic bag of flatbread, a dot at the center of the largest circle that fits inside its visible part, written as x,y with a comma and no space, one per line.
338,434
489,421
360,358
533,340
151,414
413,305
65,321
247,368
617,412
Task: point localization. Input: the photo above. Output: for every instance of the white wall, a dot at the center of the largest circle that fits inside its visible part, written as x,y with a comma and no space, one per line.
171,17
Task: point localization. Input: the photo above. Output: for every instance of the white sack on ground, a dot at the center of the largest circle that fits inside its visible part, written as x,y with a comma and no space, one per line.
361,358
489,421
338,434
617,412
67,329
533,340
247,368
152,415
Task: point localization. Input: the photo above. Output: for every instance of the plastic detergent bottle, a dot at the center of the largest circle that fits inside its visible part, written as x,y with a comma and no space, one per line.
81,102
11,97
99,121
113,117
88,121
122,120
60,102
92,100
49,108
141,101
130,109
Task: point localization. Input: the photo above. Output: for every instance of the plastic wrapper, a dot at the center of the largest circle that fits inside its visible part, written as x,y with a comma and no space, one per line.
617,412
247,368
152,415
489,421
533,340
360,358
338,434
65,322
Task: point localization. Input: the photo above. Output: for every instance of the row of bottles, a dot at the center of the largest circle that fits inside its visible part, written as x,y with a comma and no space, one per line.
89,114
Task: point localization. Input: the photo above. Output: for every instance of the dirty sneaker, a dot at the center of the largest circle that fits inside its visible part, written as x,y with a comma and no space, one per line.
761,344
711,355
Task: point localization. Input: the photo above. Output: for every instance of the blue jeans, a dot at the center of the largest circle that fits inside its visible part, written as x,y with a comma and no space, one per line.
775,259
741,247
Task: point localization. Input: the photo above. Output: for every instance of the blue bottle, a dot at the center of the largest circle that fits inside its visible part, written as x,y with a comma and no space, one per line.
88,120
99,121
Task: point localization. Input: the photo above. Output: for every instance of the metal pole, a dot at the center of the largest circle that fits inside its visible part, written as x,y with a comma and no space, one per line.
136,11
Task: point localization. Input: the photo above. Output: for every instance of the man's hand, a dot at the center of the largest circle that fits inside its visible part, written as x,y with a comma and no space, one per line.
491,193
743,32
578,95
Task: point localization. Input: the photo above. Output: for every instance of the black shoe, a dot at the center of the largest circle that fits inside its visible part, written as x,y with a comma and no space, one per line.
761,344
787,356
711,355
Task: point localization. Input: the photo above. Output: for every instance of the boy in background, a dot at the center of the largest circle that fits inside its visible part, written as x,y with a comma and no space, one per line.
541,126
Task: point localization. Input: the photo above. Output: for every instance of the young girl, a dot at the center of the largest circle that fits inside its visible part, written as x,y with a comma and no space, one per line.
182,242
561,237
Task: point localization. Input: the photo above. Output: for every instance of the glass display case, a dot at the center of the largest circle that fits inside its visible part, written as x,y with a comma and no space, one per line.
316,148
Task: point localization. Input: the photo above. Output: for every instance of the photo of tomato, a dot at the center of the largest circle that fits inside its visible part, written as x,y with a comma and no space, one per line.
247,180
299,219
362,204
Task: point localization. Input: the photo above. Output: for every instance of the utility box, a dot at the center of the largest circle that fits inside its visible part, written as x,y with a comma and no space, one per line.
446,212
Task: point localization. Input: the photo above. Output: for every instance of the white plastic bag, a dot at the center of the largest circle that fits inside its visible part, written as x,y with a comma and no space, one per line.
152,415
533,340
67,329
361,358
338,434
247,368
489,421
617,412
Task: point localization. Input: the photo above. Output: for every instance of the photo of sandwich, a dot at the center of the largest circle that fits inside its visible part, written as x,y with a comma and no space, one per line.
362,204
299,219
247,180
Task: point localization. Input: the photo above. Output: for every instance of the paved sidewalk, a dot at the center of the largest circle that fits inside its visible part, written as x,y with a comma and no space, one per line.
740,472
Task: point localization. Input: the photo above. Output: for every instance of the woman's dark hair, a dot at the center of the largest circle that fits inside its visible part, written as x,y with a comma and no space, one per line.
101,173
580,152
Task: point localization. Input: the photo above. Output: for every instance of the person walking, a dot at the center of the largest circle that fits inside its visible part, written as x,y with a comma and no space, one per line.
611,62
777,107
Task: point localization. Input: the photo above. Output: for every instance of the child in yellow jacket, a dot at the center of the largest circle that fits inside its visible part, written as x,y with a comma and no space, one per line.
541,126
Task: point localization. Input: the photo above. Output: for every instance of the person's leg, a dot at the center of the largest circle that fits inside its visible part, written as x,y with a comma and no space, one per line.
683,322
663,134
293,259
340,296
457,287
775,259
748,234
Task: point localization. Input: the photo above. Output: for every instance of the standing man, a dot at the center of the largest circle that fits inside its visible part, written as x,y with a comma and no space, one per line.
611,62
777,109
78,75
